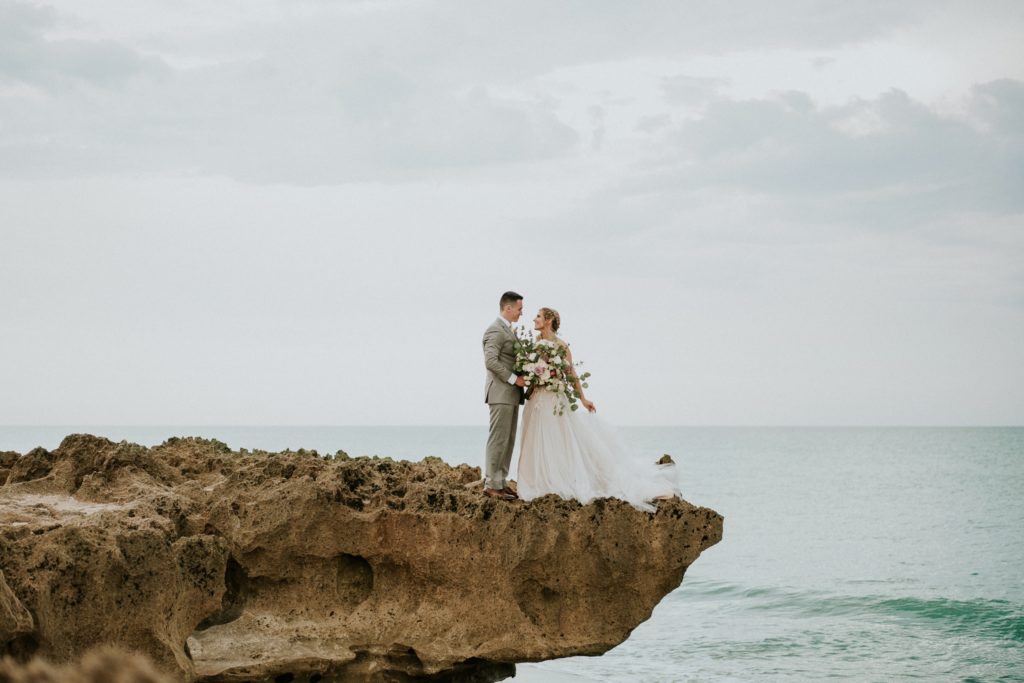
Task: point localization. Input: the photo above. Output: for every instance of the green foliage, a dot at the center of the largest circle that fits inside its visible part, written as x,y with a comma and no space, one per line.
545,365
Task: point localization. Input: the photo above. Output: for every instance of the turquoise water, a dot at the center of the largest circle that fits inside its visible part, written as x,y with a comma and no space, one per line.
866,554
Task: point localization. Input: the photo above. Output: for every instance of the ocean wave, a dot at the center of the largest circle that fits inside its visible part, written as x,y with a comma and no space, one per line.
999,619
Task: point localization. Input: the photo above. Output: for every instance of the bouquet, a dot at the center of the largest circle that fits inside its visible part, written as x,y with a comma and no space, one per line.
545,365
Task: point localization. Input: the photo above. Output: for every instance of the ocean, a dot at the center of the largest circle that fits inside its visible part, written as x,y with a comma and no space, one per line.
865,554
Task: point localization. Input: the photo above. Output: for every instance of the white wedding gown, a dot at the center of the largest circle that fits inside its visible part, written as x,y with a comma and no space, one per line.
578,455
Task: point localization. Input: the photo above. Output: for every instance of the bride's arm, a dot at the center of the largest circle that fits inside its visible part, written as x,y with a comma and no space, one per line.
589,405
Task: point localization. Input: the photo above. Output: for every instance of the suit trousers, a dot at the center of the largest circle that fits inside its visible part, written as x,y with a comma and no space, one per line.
500,441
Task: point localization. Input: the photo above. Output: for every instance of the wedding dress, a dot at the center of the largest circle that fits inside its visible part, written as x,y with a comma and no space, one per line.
578,455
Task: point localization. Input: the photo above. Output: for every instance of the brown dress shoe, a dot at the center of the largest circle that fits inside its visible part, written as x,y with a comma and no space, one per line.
510,491
500,495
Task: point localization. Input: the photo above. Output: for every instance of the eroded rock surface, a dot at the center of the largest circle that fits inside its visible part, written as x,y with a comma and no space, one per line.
102,665
238,566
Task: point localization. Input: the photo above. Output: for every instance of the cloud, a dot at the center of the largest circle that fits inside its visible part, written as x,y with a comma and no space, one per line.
999,107
21,21
304,112
304,138
533,37
28,57
325,93
691,90
885,162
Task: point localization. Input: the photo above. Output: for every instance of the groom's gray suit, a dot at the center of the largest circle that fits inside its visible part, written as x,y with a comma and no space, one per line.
504,398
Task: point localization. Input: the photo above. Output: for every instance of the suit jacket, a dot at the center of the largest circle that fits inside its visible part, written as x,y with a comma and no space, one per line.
500,361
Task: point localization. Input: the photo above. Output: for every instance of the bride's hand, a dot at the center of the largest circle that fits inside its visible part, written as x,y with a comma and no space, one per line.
589,405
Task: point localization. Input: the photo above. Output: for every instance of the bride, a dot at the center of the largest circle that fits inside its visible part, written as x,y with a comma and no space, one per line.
576,454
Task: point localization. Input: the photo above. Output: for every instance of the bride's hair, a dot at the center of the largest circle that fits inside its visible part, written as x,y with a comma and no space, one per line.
552,315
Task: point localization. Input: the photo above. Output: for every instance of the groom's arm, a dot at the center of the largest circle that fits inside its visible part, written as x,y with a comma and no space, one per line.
492,349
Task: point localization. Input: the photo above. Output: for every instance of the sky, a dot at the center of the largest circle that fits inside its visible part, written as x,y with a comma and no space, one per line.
304,212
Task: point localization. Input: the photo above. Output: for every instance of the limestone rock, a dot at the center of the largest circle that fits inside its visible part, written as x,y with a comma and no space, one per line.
15,620
103,665
230,567
7,460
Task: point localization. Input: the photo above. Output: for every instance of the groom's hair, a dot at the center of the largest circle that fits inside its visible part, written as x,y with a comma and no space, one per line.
507,299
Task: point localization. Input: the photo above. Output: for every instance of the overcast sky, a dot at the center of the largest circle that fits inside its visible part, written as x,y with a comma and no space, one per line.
304,212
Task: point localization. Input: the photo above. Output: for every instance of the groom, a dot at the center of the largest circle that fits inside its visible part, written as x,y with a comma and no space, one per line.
503,392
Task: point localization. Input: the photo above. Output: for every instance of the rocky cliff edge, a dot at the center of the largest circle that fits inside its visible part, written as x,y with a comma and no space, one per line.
224,565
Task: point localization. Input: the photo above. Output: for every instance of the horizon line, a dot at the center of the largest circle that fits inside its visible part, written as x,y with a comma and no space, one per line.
483,426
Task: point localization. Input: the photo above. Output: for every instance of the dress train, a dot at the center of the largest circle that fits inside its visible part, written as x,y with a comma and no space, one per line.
578,455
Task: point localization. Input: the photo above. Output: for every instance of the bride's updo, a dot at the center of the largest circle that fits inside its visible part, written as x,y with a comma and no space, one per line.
552,315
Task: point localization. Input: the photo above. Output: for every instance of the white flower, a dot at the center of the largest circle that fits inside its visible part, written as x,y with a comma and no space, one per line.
533,356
